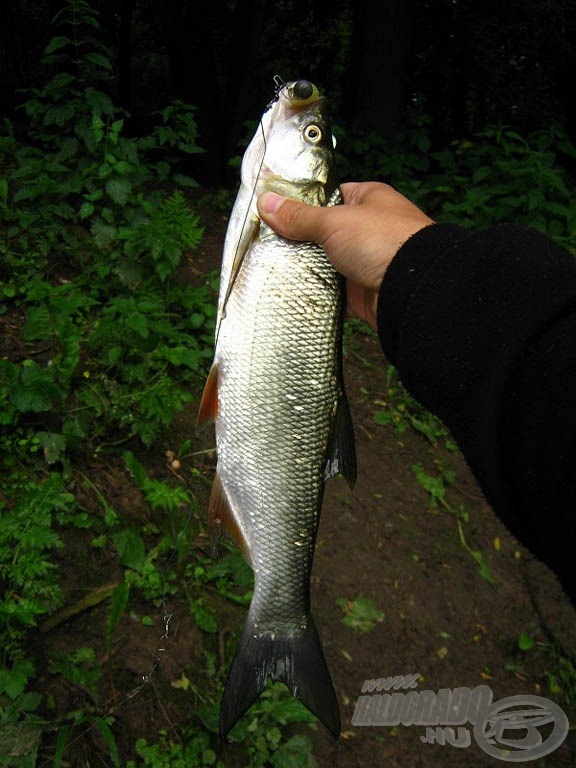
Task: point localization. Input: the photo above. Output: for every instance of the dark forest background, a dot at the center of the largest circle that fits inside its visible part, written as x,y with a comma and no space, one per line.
121,127
456,64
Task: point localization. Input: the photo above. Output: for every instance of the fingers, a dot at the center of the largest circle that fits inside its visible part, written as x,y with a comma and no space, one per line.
292,219
361,237
359,192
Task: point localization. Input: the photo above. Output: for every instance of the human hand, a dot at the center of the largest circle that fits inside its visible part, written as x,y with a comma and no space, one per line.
360,237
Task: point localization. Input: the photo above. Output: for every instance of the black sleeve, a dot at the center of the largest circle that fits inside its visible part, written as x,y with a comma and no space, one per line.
482,329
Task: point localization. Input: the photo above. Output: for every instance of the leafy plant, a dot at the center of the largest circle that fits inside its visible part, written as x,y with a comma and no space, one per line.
559,671
93,242
21,727
360,614
97,231
29,578
257,737
400,411
494,176
436,486
525,641
500,176
81,668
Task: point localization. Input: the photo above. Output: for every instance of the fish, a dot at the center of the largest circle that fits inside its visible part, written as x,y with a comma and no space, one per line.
276,395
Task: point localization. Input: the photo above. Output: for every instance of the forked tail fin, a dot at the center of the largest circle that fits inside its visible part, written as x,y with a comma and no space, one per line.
296,661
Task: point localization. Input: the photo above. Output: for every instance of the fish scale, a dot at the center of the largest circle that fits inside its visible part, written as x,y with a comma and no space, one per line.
268,399
276,395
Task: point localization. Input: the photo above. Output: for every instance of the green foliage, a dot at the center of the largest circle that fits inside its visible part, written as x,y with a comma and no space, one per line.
525,641
29,577
165,753
403,161
81,668
257,735
259,729
402,412
95,235
495,176
361,615
229,576
561,676
437,486
559,670
500,176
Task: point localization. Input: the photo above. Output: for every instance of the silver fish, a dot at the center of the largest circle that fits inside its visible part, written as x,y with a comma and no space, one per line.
276,395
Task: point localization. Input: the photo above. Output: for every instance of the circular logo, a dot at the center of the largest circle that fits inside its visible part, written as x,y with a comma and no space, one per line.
509,729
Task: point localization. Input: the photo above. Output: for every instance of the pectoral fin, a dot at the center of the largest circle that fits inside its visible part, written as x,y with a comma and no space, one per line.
341,457
249,233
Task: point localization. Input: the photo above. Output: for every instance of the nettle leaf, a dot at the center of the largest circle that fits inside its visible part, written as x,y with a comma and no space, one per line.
130,273
58,42
104,234
99,60
38,324
139,323
119,190
53,445
99,102
182,356
58,84
13,681
86,210
37,391
185,181
59,114
131,548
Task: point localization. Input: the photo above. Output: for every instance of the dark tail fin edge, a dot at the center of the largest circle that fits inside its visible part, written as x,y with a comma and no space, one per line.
297,661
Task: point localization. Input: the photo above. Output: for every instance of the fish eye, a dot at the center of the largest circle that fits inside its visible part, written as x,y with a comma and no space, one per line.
303,89
312,133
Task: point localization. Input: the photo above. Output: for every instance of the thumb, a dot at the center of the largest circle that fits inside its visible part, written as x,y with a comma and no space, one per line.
291,218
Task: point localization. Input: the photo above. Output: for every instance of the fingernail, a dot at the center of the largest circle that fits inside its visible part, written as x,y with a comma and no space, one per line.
269,202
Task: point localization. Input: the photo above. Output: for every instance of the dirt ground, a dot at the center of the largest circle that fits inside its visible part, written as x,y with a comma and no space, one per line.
380,541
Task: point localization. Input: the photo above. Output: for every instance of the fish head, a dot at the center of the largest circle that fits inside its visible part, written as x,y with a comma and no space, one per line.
292,151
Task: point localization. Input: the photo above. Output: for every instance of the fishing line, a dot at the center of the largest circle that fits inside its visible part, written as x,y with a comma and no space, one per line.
279,84
147,678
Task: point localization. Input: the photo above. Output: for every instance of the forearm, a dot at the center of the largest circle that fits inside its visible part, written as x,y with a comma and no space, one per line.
482,329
